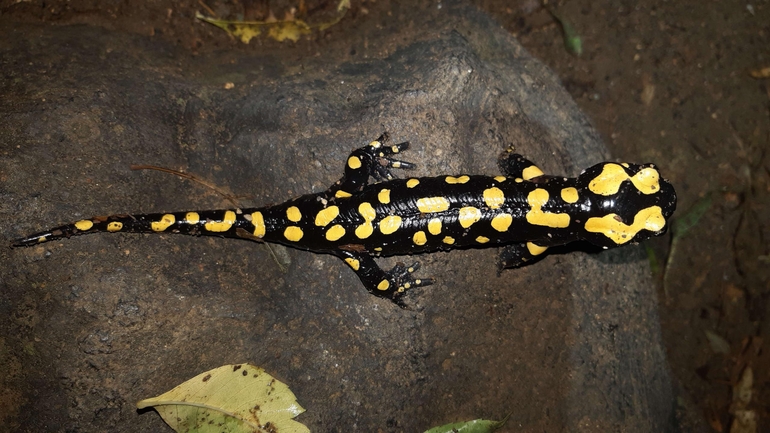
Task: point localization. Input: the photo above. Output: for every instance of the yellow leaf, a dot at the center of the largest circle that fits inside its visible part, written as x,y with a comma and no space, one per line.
233,398
343,4
245,32
760,72
291,30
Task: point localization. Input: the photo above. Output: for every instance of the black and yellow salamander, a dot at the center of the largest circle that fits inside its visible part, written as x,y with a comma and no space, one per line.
608,205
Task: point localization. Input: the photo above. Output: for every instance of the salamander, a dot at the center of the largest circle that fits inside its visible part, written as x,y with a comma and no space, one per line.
524,211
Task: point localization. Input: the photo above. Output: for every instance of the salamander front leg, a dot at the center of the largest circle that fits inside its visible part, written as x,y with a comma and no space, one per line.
391,284
371,160
516,166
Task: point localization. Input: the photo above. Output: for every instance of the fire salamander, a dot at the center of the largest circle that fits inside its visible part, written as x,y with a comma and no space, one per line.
525,211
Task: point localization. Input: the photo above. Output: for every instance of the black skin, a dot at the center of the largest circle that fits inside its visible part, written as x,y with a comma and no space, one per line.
357,244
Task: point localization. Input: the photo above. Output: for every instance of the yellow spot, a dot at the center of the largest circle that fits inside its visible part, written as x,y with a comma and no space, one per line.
449,240
293,233
419,238
613,175
165,222
353,263
535,249
293,214
335,232
434,226
609,180
354,162
394,149
390,224
453,180
342,194
221,226
384,196
411,183
367,211
518,180
384,284
326,216
468,216
192,218
258,221
531,172
501,178
646,180
364,230
84,225
502,222
432,204
569,195
610,225
378,249
375,144
114,226
537,198
482,239
494,197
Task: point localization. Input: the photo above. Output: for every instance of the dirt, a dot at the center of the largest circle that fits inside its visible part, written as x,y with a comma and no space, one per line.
671,82
665,82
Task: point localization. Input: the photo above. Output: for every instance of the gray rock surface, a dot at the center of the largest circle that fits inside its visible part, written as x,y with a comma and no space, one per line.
91,325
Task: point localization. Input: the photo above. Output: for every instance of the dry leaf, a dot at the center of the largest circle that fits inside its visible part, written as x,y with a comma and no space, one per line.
717,343
760,73
475,426
245,32
745,421
742,390
648,93
290,28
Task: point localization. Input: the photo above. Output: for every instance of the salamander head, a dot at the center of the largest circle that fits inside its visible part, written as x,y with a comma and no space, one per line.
629,203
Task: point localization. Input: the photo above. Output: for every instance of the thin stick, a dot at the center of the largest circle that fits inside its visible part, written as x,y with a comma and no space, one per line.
227,196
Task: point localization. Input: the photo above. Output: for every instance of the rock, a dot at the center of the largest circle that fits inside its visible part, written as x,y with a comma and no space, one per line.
94,324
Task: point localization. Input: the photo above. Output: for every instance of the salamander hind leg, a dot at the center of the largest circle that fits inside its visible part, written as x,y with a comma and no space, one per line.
373,160
391,284
518,255
516,166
